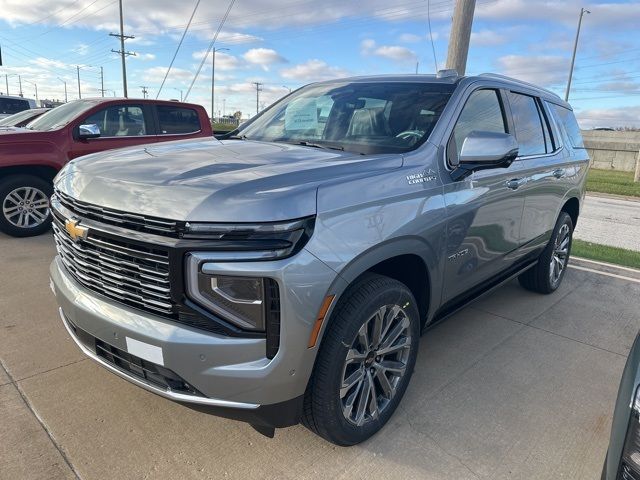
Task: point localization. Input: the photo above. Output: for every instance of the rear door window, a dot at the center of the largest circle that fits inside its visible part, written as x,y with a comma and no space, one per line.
177,120
119,121
567,121
9,106
528,124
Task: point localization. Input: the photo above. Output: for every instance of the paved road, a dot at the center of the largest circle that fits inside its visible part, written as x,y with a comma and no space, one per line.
610,221
517,386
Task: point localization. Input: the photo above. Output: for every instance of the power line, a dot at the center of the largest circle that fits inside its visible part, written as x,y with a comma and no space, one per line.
178,47
213,41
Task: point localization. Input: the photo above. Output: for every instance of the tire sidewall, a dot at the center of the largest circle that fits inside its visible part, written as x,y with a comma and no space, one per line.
16,181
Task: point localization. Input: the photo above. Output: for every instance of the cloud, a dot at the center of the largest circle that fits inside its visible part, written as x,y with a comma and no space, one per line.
81,49
264,57
487,38
413,38
313,71
145,57
390,52
224,61
544,70
156,74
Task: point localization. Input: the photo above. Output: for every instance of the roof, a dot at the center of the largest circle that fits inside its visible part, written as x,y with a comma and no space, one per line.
98,100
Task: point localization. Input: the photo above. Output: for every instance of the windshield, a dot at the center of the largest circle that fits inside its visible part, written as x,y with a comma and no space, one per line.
17,118
380,117
60,116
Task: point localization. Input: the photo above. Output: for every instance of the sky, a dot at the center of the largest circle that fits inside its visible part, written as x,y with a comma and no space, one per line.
284,44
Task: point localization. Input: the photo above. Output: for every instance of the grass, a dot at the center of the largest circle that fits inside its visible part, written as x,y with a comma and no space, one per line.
604,253
612,181
222,127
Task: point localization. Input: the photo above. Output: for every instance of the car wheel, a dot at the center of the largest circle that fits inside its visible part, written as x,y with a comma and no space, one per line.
547,275
24,200
365,361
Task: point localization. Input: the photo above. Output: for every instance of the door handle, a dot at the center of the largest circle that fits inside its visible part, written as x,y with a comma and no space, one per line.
516,183
559,173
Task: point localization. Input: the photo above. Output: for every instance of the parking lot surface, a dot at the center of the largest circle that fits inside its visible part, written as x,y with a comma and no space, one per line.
516,386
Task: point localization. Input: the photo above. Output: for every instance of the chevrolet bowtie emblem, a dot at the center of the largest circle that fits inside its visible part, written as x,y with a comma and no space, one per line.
75,231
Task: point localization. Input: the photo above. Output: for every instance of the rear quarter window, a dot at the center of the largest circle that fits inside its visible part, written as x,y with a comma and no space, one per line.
567,122
176,120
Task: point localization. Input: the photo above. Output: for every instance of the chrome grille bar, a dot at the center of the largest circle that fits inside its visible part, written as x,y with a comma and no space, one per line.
111,216
128,273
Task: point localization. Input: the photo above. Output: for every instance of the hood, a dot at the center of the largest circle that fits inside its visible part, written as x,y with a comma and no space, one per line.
10,134
214,181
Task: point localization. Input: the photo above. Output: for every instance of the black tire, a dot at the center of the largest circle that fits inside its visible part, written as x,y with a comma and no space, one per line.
323,405
8,221
539,278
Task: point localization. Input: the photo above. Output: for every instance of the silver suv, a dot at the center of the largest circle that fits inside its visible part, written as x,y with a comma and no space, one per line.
285,272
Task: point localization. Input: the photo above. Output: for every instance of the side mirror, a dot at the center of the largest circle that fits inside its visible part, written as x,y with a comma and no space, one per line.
86,132
484,150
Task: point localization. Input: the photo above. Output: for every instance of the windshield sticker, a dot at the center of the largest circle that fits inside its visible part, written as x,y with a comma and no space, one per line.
301,114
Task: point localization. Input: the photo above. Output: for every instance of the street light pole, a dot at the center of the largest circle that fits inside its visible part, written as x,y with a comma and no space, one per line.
65,89
213,79
79,90
6,80
20,82
573,57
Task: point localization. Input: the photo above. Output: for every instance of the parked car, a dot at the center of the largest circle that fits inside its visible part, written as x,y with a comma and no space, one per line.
10,105
623,457
22,118
285,272
31,157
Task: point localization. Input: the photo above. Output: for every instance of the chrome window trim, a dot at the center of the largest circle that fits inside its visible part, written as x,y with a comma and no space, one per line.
171,395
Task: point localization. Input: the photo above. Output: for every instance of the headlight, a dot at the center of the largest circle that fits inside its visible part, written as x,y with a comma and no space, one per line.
630,469
238,299
250,303
253,241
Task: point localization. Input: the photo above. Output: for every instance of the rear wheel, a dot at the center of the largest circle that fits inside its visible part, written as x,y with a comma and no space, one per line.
24,203
547,275
365,361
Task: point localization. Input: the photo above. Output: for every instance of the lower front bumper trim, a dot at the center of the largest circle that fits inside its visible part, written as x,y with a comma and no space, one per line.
171,395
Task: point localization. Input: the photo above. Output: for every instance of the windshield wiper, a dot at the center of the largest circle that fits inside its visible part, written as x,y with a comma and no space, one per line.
318,145
235,137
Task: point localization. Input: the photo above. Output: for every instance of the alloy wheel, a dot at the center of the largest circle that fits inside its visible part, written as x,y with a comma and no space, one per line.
375,364
26,207
560,254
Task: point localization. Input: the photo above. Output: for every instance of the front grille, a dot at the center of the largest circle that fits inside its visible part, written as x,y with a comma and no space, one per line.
130,273
140,223
143,369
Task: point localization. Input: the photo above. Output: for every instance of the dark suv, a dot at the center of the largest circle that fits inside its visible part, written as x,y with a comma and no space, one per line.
285,272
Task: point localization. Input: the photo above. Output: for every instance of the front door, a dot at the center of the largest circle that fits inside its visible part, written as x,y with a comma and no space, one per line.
122,125
484,210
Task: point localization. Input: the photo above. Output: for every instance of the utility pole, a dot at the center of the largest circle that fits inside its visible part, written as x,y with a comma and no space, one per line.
573,57
258,90
213,78
122,52
102,90
144,91
460,35
65,89
6,81
20,83
79,90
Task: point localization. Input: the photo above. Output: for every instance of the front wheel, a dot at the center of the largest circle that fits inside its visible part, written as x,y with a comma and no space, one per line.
547,275
365,361
24,200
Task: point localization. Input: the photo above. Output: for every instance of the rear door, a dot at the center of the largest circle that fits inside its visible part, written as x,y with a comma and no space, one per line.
484,212
121,125
545,165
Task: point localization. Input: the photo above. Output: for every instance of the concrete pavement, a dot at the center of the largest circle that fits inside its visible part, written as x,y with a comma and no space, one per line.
610,221
517,386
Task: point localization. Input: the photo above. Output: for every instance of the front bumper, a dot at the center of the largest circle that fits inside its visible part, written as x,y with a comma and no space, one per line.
232,375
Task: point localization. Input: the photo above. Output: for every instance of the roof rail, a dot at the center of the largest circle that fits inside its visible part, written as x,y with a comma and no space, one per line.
497,76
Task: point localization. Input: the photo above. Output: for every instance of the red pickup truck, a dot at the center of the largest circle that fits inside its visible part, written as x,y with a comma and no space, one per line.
31,157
